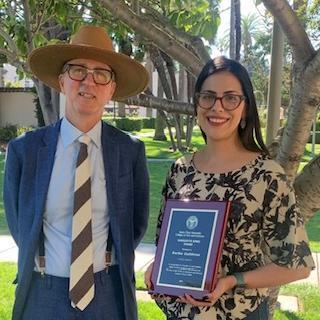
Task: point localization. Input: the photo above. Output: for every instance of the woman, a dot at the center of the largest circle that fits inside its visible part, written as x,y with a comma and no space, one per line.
265,243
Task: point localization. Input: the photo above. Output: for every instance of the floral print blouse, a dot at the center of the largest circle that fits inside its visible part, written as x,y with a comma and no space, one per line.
264,226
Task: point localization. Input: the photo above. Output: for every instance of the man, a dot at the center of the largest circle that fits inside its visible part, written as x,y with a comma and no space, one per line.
76,192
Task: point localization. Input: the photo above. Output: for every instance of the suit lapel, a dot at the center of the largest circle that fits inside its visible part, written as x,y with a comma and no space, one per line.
45,161
111,163
110,151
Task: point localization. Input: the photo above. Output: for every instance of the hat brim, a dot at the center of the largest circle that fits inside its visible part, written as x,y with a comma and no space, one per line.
46,64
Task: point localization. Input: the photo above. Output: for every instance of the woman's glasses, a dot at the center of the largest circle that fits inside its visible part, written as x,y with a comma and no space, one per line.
230,101
79,73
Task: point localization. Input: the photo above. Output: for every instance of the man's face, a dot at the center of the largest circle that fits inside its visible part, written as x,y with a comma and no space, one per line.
85,100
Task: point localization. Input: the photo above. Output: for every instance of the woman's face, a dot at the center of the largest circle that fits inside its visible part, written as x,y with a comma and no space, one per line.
218,123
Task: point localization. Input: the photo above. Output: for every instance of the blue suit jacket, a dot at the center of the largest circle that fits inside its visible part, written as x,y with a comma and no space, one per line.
29,165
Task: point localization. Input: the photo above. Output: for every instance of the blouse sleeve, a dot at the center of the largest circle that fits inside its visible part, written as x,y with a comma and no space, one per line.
284,231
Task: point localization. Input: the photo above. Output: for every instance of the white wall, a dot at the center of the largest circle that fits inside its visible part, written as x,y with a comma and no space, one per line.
17,108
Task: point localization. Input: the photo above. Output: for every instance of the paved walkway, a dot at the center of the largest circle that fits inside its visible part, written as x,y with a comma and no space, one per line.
145,254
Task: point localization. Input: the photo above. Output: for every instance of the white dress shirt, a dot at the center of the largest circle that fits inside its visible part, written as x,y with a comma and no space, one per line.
57,218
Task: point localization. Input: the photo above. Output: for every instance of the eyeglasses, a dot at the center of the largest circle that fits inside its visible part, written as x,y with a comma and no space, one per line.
229,102
79,73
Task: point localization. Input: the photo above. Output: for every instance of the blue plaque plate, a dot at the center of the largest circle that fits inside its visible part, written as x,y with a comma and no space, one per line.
189,248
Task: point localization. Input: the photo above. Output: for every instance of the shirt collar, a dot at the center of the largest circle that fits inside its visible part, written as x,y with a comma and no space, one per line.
69,133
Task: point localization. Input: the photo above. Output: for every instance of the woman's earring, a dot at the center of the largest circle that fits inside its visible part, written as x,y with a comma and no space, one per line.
243,124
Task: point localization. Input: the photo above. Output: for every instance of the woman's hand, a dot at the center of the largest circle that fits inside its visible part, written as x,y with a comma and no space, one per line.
147,276
223,285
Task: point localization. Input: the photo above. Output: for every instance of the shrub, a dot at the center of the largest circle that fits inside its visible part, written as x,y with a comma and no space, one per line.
148,123
8,132
37,110
11,131
262,117
129,124
317,133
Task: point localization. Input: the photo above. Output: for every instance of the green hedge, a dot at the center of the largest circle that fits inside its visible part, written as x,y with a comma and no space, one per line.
11,131
128,124
148,123
131,124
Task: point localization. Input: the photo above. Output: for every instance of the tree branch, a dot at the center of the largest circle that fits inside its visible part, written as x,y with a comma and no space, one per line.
292,28
195,43
149,31
28,25
11,44
313,67
307,188
171,106
12,58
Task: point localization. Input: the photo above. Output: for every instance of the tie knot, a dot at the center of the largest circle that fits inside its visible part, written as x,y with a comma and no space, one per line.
84,139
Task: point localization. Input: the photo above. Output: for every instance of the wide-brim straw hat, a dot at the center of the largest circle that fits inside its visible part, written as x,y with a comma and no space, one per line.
89,42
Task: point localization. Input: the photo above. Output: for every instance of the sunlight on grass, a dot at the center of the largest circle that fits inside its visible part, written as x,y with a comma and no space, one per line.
158,172
308,296
7,275
313,231
146,310
149,311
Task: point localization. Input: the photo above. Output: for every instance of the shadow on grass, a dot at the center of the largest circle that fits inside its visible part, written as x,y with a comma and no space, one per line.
291,316
313,227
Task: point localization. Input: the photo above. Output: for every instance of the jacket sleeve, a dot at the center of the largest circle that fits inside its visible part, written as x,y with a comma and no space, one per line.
141,195
12,176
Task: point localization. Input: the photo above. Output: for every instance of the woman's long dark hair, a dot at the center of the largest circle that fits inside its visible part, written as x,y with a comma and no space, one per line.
250,136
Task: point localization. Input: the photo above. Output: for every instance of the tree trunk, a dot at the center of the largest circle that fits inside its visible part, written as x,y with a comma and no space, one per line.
2,73
237,13
49,101
121,109
159,128
307,188
275,83
232,36
160,121
150,68
190,125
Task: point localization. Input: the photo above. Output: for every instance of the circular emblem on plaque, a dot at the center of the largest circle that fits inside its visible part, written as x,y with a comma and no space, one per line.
192,222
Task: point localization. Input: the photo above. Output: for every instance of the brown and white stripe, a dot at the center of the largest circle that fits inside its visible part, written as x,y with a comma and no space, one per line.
81,286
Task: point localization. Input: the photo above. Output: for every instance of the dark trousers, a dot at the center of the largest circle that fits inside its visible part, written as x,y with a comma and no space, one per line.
48,299
261,313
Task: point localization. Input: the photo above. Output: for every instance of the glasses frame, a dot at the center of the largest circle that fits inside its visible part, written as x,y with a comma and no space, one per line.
198,95
67,67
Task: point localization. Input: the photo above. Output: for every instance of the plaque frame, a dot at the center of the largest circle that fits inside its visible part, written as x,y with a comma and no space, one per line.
217,213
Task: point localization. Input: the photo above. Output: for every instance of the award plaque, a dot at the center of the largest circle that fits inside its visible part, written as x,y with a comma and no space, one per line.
189,248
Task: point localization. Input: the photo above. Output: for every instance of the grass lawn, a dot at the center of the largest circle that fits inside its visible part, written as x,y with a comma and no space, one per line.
308,297
313,231
158,172
7,275
149,311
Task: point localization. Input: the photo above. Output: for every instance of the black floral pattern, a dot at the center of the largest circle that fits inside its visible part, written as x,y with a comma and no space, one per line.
264,225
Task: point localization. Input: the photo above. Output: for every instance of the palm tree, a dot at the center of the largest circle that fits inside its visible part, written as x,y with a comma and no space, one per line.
235,30
251,27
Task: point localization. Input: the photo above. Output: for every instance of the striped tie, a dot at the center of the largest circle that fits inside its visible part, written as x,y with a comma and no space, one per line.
81,289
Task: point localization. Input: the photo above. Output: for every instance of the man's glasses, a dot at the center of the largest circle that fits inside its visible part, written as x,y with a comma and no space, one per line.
79,73
206,100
